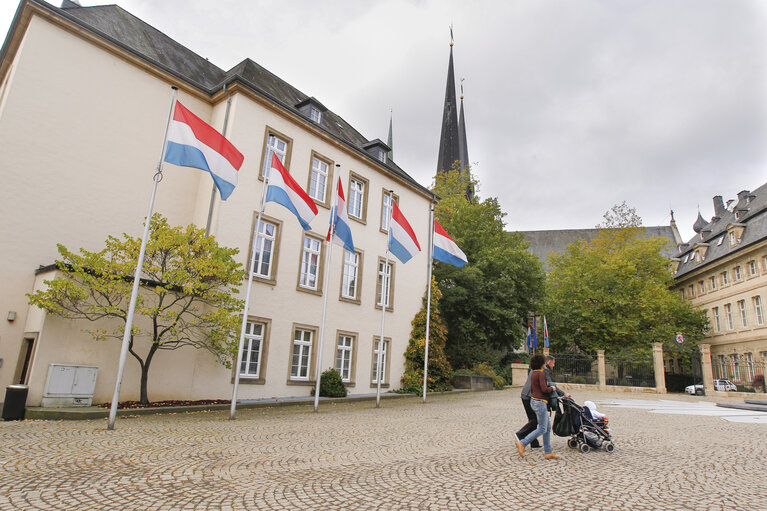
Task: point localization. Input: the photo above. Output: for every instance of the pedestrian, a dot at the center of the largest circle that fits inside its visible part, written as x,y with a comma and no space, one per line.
540,391
548,370
532,420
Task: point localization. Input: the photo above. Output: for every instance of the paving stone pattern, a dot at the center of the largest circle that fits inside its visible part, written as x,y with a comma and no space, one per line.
454,453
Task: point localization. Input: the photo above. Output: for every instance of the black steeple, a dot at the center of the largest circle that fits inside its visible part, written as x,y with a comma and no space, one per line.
448,141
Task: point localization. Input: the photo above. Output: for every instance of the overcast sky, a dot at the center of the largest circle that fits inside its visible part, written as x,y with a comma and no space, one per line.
572,106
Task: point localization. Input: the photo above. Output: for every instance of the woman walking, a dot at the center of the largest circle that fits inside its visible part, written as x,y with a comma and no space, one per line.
539,403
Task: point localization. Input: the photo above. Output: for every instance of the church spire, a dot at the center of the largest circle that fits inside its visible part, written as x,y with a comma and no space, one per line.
448,140
463,148
390,140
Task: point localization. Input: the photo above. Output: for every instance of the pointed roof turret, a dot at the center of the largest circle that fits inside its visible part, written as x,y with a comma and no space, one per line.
449,140
699,223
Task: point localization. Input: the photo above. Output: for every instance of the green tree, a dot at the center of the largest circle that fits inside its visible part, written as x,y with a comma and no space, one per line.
613,293
186,296
485,303
439,368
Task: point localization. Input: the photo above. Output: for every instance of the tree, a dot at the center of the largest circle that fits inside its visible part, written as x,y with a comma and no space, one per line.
613,293
439,368
485,303
186,296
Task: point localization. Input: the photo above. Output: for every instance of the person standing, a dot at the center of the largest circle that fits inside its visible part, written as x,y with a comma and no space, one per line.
548,370
540,391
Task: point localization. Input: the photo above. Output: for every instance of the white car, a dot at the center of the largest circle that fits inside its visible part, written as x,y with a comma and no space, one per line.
723,385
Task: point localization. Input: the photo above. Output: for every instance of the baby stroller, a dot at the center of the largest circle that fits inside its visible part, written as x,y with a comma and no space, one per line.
585,432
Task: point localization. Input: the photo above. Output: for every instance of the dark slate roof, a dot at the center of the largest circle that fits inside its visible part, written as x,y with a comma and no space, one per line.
123,29
750,210
544,243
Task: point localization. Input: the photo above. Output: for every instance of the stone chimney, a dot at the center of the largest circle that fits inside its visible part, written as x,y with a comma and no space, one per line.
718,206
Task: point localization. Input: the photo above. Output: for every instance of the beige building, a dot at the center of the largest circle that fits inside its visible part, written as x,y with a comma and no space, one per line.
84,98
723,270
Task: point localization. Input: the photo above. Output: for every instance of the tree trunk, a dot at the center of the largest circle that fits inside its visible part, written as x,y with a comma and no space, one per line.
145,374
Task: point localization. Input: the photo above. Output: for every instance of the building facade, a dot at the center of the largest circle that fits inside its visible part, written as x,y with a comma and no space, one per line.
723,270
84,97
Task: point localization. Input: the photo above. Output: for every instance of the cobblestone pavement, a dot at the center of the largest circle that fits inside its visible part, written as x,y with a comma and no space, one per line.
455,452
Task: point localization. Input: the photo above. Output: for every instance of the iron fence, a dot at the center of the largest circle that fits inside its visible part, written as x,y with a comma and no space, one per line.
629,372
571,368
746,374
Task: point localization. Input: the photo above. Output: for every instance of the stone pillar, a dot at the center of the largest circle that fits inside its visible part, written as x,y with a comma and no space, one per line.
601,371
660,370
706,369
519,374
545,352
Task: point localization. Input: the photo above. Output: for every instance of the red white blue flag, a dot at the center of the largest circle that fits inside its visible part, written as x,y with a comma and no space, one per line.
193,143
445,249
339,223
402,241
545,333
284,190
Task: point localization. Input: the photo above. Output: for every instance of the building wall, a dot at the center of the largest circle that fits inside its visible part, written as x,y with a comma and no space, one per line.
742,339
81,130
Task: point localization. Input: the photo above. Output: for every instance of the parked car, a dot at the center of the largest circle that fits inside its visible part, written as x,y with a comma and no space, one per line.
698,390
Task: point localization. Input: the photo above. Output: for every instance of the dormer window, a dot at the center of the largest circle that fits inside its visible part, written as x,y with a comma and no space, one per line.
378,150
315,114
381,155
721,239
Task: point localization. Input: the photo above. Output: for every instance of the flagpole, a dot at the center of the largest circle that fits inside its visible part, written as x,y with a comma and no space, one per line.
137,276
384,287
245,308
325,298
428,300
214,188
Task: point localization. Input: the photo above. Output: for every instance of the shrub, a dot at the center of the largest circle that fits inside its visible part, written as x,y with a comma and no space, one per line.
758,382
505,373
331,384
578,379
484,369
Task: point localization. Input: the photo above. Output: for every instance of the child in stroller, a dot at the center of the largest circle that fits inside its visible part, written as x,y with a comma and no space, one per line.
590,432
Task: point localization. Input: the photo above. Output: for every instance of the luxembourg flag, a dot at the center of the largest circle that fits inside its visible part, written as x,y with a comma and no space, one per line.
284,190
445,249
342,234
193,143
545,333
402,240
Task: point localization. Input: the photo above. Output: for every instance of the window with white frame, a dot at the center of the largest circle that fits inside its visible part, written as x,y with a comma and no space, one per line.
315,114
748,358
384,348
742,309
310,263
764,263
721,239
715,311
252,349
702,286
681,293
302,352
735,366
344,351
725,278
728,316
758,309
752,268
737,273
384,282
318,180
697,256
712,282
349,286
274,145
722,367
692,291
381,155
356,198
265,244
733,238
385,211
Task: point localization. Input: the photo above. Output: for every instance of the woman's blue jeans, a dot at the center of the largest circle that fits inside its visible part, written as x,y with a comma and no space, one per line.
544,425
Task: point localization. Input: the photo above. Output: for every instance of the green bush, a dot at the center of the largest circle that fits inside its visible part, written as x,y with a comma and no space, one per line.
331,384
743,388
505,373
485,369
578,379
463,372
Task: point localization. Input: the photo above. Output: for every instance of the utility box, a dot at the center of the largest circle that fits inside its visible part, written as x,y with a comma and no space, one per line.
69,385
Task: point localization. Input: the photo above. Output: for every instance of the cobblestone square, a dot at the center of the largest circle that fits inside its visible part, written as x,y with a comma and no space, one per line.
455,452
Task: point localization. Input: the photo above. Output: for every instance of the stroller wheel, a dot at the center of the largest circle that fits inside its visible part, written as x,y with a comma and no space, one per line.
608,446
585,448
572,443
